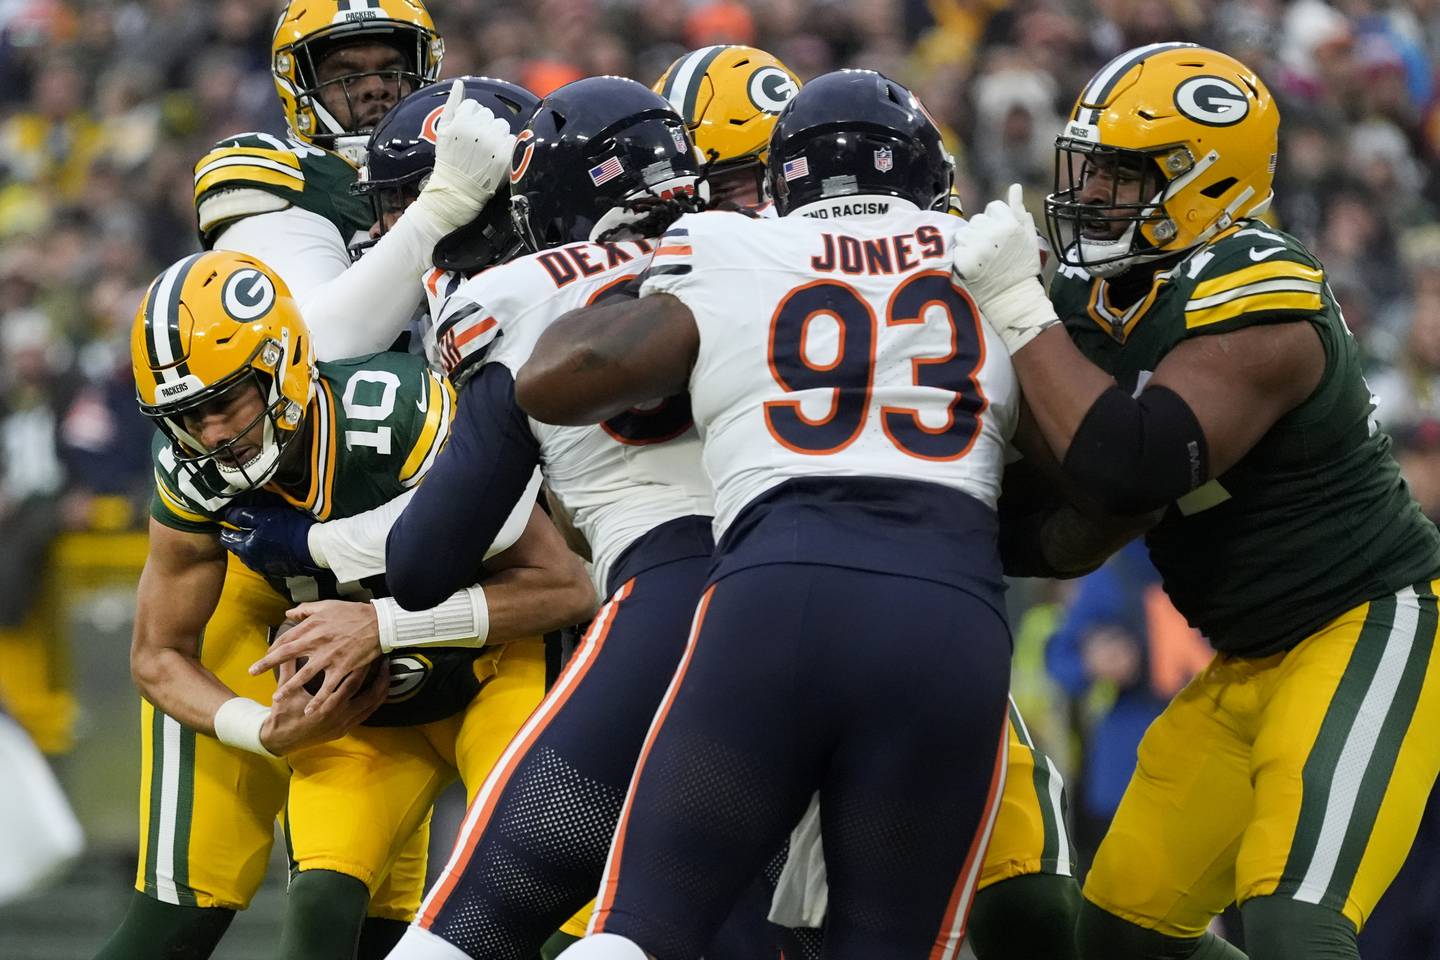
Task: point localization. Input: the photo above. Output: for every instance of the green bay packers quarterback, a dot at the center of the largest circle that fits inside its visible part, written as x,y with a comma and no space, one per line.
1201,378
225,367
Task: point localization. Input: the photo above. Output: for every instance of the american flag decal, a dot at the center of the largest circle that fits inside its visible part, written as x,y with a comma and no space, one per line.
799,167
606,171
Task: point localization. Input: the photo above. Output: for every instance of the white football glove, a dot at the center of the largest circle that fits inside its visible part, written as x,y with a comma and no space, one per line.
472,159
997,258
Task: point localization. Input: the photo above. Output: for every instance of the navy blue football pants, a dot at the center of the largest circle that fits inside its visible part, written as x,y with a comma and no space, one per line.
886,693
534,841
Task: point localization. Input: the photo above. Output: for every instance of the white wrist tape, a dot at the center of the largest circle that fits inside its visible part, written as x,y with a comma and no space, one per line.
1020,314
462,620
238,723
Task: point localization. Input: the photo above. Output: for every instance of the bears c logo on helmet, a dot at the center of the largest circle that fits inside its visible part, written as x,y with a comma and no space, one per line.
520,160
770,88
247,295
431,127
1213,101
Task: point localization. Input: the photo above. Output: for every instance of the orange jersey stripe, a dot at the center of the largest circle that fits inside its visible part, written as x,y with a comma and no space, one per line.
611,881
486,798
674,250
484,326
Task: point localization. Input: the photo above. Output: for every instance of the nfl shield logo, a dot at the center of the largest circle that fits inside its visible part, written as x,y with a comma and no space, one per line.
884,159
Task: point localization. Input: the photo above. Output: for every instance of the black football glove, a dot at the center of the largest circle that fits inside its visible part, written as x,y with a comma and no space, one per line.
274,541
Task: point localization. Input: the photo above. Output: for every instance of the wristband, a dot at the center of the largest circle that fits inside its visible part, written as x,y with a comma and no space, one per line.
464,615
1019,314
238,723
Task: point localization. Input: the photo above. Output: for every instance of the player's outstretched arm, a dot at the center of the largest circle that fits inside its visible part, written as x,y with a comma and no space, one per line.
1210,400
596,362
179,588
537,585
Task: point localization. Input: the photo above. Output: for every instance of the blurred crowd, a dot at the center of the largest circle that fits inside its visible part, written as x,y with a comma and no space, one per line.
106,104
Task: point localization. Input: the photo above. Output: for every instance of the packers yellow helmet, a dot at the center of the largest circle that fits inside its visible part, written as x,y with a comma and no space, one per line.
1195,127
208,324
308,28
729,98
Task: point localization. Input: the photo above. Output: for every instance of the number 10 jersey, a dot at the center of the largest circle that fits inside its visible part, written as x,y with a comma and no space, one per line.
836,348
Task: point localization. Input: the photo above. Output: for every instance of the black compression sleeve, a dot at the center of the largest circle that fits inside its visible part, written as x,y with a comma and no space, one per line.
436,546
1137,454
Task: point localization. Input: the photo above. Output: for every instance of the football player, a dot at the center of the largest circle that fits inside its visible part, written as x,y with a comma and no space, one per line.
224,365
603,165
730,98
855,415
339,68
1195,375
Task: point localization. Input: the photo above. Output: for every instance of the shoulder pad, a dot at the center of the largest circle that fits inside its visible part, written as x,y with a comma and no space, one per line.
257,173
1254,274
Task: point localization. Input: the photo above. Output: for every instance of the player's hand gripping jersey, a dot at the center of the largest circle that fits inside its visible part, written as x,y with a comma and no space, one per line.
836,348
617,480
377,424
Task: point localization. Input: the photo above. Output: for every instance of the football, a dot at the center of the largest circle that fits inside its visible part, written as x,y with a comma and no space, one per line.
313,685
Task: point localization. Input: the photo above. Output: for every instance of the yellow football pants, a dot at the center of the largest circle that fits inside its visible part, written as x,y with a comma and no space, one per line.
1302,774
359,805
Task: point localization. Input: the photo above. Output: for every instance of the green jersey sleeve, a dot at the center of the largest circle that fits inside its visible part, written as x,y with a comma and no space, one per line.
178,502
1253,276
254,173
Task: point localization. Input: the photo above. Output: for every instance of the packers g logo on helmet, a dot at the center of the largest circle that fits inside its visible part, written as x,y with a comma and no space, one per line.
208,324
247,294
1212,100
770,88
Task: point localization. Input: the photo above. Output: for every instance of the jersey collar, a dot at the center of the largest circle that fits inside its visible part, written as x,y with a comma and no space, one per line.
319,498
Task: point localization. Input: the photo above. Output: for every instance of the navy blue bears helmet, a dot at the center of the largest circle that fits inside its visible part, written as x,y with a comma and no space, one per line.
857,133
401,154
595,153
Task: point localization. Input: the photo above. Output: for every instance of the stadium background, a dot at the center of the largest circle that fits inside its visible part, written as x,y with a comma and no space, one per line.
106,104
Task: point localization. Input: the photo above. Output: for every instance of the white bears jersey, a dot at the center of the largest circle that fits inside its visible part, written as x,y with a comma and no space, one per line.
836,348
620,479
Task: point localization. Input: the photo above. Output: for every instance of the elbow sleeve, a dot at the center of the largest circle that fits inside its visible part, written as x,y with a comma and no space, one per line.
1133,455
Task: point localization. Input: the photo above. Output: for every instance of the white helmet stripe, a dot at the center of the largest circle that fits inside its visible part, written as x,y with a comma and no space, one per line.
1099,86
683,86
162,319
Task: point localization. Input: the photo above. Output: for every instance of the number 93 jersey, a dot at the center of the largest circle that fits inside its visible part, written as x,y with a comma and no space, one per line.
836,348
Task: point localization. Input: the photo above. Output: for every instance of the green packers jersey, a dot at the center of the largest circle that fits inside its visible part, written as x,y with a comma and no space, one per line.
376,425
255,173
1315,519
